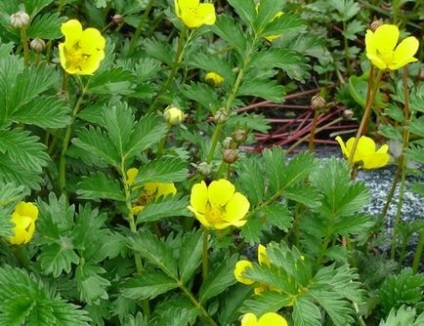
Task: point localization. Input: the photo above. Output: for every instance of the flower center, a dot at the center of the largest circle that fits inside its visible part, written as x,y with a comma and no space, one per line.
75,57
214,214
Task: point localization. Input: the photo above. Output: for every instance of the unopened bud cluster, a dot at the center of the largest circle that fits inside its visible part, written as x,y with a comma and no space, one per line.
318,102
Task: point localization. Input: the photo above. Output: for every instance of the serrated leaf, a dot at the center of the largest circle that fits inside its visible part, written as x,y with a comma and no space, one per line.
226,28
148,285
58,257
219,279
249,122
24,149
403,316
278,215
245,9
306,313
91,285
11,193
161,209
252,230
416,126
177,316
274,164
165,169
10,172
190,255
112,81
159,50
202,94
96,142
99,186
252,180
298,168
209,62
155,251
266,89
46,27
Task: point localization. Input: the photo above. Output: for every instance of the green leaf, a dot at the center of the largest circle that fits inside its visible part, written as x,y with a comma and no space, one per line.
45,112
416,126
251,180
266,89
112,81
306,313
228,30
159,50
278,215
249,122
58,258
403,316
219,65
266,12
274,164
11,193
46,27
252,230
403,288
100,186
202,94
346,9
168,207
219,279
148,285
96,142
164,169
390,132
298,168
10,172
245,9
91,285
190,255
25,300
23,149
155,251
147,132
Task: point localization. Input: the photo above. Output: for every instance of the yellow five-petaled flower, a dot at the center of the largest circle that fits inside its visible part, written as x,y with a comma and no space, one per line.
267,319
381,48
218,206
195,14
23,217
366,152
83,50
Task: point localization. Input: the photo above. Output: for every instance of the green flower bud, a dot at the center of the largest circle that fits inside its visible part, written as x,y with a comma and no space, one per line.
173,115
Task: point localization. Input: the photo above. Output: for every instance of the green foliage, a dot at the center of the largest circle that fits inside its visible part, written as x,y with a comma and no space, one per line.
403,288
26,300
403,316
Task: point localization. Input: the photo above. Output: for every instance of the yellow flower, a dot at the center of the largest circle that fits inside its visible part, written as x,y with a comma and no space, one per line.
173,115
382,51
195,14
242,265
24,217
218,206
214,79
366,152
83,50
267,319
150,191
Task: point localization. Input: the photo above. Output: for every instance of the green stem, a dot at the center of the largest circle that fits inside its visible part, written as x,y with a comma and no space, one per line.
371,93
65,143
197,304
205,253
215,139
182,43
392,190
139,29
402,159
24,40
21,256
418,252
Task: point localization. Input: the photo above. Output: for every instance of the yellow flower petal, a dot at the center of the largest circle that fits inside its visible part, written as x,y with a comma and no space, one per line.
377,61
272,319
166,188
206,12
262,256
27,209
194,14
220,192
405,52
249,319
199,197
23,229
237,208
370,45
72,30
342,146
240,268
386,37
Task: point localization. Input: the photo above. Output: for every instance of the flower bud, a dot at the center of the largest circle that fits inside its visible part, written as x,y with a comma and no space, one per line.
347,114
37,45
19,19
23,218
220,116
230,156
376,24
204,168
227,142
318,102
118,19
239,136
173,115
214,79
